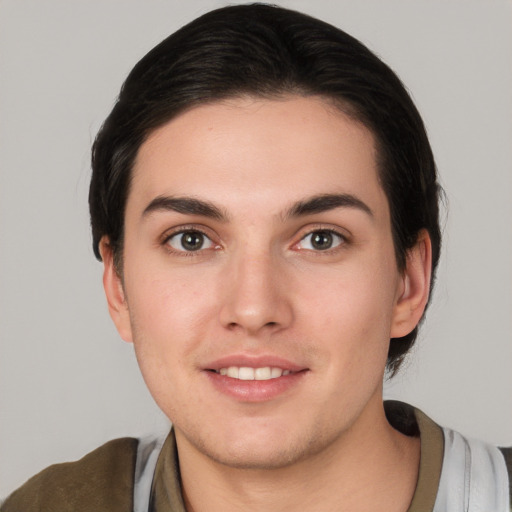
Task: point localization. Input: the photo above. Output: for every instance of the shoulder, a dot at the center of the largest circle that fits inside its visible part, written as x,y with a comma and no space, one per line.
454,469
475,471
102,480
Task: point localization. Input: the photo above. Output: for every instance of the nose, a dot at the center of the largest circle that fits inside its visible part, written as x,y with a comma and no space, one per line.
255,298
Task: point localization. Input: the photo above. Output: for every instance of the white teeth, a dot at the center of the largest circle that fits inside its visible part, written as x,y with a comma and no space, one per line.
248,373
245,373
276,372
232,372
263,373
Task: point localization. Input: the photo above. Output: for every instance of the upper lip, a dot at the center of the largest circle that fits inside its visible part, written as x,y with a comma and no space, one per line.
251,361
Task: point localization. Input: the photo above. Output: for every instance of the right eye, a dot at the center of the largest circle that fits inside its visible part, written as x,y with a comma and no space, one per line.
189,241
321,240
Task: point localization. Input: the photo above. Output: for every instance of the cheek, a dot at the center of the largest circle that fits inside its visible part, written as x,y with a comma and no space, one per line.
169,319
353,308
355,296
170,316
168,301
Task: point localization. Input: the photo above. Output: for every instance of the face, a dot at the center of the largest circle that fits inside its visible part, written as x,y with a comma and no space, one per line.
260,286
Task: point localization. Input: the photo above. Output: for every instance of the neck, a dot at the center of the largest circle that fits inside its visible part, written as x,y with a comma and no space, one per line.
371,466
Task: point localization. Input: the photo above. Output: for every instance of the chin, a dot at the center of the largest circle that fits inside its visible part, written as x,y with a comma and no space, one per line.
261,450
251,458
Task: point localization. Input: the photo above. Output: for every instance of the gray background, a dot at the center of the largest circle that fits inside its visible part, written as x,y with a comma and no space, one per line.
67,382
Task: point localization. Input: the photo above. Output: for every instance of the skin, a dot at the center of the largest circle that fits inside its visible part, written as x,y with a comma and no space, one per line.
259,290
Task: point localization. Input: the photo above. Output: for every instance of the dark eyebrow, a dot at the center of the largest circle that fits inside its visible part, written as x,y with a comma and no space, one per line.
326,202
185,205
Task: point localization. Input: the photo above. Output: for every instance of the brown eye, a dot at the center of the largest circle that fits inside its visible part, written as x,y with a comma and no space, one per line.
189,241
321,240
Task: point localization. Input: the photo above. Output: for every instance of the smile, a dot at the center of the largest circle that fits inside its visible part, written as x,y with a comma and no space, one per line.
256,379
248,373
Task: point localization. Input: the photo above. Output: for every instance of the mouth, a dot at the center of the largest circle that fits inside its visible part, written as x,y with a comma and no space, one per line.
255,379
249,373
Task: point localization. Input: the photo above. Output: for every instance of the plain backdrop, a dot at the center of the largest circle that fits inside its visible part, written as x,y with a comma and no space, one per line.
68,383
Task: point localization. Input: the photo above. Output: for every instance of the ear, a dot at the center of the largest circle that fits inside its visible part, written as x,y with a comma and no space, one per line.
413,292
113,286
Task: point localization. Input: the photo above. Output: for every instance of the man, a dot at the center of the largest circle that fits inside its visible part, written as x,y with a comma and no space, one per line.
265,203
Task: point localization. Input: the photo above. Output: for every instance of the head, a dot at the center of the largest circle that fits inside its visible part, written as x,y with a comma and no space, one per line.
265,52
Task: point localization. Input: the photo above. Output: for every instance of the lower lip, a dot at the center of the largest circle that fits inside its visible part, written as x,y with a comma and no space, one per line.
255,390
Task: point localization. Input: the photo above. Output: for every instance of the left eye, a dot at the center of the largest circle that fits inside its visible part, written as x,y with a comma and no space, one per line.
189,241
321,240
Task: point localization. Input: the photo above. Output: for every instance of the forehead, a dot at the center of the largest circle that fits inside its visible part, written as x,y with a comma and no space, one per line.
257,153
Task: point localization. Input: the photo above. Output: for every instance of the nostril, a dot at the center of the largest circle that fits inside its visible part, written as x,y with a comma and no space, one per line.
235,325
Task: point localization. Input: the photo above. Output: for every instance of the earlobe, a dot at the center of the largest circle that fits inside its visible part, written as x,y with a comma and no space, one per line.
415,287
114,292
